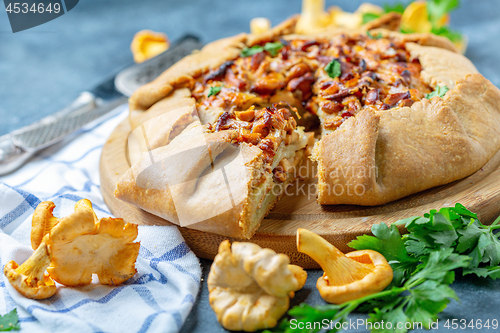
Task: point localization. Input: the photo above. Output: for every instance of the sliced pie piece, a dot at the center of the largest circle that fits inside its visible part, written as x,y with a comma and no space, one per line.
223,177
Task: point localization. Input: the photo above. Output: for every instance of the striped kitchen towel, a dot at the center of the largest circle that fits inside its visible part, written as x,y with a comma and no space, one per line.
157,299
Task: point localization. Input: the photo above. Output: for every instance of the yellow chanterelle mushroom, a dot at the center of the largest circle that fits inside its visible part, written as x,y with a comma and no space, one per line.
148,44
346,276
43,219
73,248
250,287
30,278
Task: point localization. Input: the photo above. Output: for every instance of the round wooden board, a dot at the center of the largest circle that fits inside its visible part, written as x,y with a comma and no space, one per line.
479,192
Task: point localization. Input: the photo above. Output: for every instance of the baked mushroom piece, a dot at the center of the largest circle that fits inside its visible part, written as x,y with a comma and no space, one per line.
250,287
346,276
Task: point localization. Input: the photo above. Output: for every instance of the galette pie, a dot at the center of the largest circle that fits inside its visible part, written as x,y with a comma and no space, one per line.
219,131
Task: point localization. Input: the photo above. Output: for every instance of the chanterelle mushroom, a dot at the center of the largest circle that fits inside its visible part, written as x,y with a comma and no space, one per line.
72,249
147,44
346,276
43,219
250,286
42,222
30,279
80,247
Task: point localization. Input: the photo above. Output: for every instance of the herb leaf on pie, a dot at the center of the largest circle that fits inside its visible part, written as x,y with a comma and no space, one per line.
440,91
250,51
212,91
273,48
333,69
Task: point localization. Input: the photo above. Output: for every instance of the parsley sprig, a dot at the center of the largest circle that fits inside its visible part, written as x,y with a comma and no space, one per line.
439,91
10,322
214,90
423,262
333,69
272,48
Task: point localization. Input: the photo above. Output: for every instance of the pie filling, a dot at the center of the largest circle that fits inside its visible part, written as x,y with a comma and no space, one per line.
333,79
272,129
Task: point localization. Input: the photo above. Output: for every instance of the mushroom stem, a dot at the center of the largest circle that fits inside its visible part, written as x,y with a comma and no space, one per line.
339,269
34,268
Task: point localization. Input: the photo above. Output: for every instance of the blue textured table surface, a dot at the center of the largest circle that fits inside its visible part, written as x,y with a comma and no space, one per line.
45,68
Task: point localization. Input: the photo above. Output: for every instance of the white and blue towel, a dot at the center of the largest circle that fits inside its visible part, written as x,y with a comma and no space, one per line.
157,299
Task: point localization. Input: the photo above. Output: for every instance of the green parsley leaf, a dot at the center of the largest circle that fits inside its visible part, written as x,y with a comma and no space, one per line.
273,48
388,242
440,91
489,245
396,8
10,321
484,272
469,237
250,51
454,36
393,316
367,17
212,91
333,69
377,36
438,8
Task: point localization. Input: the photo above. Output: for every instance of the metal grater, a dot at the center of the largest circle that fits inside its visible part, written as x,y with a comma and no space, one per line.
18,146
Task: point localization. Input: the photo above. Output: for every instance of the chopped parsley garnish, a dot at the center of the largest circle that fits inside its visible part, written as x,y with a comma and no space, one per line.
377,36
10,321
212,91
333,69
423,262
272,48
440,91
250,51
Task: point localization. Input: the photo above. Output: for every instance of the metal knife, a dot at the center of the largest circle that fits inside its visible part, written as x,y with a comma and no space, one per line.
18,146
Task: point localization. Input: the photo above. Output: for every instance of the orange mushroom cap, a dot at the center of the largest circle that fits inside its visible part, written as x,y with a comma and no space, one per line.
147,44
346,276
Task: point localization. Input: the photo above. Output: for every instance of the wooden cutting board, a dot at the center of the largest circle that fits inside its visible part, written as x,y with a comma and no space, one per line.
479,192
